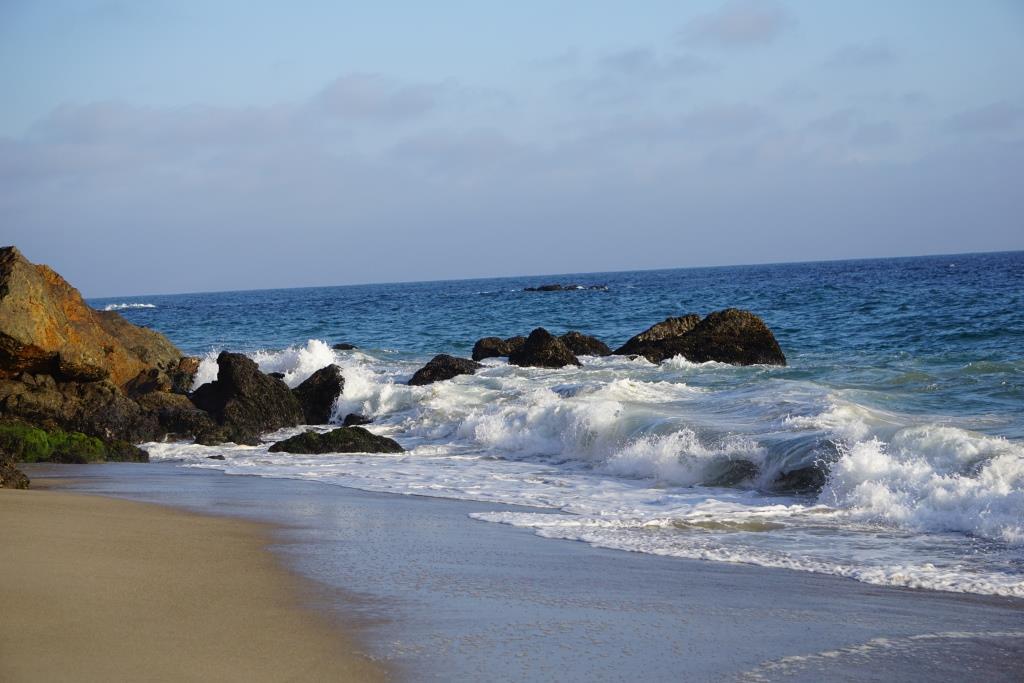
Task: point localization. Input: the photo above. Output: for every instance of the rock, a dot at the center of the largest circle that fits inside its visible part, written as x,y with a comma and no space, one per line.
316,395
46,327
355,419
26,443
496,347
666,329
442,367
177,416
344,346
807,479
276,375
543,350
215,457
10,476
565,288
341,440
95,408
730,336
245,401
184,374
585,345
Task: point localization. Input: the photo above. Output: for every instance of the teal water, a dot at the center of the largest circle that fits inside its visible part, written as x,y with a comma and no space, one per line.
905,388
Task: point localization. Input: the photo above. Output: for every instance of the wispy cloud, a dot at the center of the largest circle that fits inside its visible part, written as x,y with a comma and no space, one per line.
875,53
740,23
994,117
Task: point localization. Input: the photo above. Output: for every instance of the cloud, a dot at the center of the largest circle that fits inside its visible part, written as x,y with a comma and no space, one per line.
371,96
876,134
862,55
643,63
995,117
740,23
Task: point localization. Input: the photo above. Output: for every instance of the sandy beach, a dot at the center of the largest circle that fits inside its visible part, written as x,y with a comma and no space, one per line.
97,589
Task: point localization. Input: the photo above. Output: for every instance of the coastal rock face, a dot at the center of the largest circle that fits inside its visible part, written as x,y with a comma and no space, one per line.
585,345
731,336
10,476
46,327
442,367
316,395
246,402
496,347
543,350
666,329
341,440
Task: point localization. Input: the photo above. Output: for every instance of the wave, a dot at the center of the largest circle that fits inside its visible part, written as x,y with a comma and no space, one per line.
681,459
126,306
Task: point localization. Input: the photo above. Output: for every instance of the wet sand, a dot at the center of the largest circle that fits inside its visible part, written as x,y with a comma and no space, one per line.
99,589
446,597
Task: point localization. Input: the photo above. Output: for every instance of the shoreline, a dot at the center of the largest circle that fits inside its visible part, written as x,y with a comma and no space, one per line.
452,598
100,588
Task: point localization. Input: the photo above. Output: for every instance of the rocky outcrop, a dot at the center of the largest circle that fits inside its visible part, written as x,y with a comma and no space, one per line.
585,345
341,440
543,350
556,287
10,476
496,347
355,419
442,367
25,443
47,328
731,336
316,395
244,402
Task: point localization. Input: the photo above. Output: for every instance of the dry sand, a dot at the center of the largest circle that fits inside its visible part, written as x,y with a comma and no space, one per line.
97,589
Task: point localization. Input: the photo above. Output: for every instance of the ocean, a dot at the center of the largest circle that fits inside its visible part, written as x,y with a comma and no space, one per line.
905,388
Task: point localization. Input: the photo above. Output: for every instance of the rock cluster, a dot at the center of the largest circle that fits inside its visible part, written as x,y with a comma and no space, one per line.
543,350
442,367
341,440
316,395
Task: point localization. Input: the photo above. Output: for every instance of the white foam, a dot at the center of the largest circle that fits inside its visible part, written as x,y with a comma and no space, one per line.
122,307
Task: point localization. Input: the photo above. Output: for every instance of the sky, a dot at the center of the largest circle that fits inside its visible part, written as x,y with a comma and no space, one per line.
160,147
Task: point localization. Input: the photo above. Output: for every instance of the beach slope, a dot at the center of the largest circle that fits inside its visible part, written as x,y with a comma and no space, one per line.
96,589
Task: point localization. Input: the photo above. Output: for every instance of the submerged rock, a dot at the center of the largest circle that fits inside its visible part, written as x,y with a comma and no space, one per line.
496,347
341,440
355,419
585,345
731,336
442,367
543,350
556,287
316,395
344,346
245,401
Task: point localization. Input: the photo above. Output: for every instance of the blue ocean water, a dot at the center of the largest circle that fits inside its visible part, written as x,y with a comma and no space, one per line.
905,383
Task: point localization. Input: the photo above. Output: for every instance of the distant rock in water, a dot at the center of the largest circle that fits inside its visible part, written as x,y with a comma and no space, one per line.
442,367
356,419
245,402
344,346
585,345
496,347
341,440
543,350
566,288
318,392
731,336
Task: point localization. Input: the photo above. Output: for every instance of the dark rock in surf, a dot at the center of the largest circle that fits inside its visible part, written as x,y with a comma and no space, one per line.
543,350
341,440
731,336
585,345
344,346
355,419
245,402
276,375
496,347
318,392
808,479
215,457
442,367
